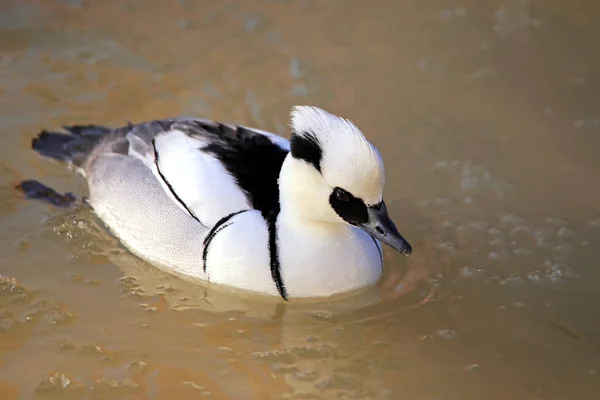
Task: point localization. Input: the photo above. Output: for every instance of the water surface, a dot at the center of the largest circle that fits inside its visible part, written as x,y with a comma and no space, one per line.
486,114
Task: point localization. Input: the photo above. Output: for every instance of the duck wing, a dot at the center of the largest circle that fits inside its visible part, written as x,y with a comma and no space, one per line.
213,169
208,169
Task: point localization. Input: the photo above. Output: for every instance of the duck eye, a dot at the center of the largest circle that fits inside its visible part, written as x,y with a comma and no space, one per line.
341,194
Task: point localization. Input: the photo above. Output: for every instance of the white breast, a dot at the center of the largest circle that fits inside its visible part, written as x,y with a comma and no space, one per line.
318,260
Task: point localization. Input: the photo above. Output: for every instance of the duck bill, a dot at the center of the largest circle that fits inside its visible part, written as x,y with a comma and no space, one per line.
381,227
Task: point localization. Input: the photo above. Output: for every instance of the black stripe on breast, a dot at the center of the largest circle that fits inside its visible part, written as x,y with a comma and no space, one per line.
169,185
271,220
378,249
218,227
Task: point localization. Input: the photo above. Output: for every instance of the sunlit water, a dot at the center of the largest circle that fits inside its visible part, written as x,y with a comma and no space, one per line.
487,115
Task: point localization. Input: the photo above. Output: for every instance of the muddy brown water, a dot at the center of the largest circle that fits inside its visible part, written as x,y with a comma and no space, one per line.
487,115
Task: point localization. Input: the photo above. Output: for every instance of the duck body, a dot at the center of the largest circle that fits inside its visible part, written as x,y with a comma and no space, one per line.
220,203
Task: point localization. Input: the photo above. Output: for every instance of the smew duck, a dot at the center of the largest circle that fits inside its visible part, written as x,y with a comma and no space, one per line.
238,206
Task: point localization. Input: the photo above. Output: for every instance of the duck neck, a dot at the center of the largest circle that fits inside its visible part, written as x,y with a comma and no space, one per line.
303,222
304,194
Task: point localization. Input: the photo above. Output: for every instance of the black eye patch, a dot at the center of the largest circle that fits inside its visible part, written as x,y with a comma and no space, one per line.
351,209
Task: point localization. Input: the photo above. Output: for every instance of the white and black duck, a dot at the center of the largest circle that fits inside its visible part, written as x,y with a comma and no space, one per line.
239,206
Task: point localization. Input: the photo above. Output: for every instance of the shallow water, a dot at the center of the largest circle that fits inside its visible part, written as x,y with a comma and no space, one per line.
486,114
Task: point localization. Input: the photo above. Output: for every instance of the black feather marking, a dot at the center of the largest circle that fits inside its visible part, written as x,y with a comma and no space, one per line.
156,162
351,209
218,227
306,146
378,249
252,159
271,220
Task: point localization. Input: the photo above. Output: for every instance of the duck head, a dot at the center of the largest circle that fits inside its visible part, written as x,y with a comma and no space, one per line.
333,174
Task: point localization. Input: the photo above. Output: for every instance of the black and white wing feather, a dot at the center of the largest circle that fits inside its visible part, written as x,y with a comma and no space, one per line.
209,169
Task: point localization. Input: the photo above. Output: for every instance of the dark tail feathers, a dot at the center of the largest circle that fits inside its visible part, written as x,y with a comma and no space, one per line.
72,147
